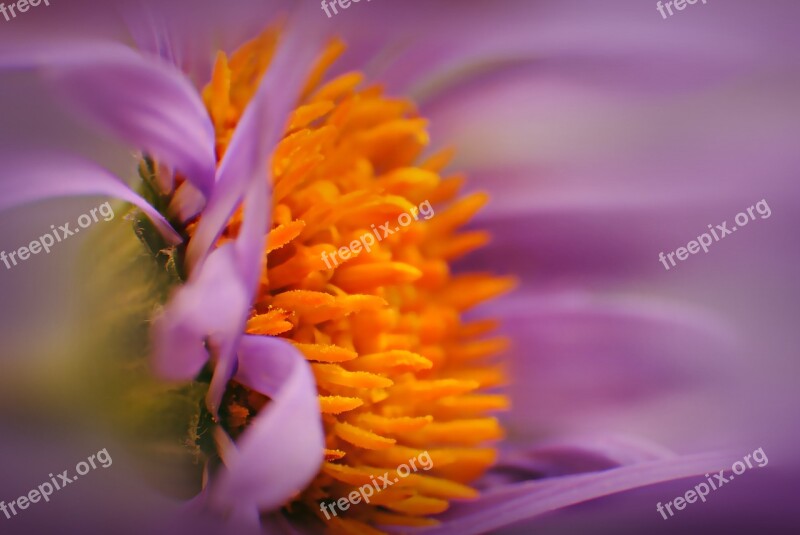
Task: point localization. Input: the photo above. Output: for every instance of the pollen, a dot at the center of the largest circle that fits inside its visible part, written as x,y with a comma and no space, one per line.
399,369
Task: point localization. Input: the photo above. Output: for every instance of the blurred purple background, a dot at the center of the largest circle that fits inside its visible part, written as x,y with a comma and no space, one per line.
605,135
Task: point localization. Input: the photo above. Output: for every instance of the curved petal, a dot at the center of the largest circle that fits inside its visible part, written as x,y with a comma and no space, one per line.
256,135
593,364
554,143
763,503
250,260
241,173
612,46
211,307
195,517
507,505
188,38
187,202
283,449
225,290
571,456
35,176
143,102
591,237
252,239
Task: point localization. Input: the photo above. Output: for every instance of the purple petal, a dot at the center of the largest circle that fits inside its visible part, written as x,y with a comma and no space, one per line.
587,236
35,176
590,365
189,38
764,503
507,505
145,103
256,136
252,237
187,202
185,326
249,252
212,306
282,450
222,290
610,46
573,456
195,517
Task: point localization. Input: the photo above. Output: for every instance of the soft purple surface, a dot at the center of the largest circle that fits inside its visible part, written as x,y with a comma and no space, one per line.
39,175
184,37
524,501
586,362
147,104
285,442
583,205
574,456
211,305
144,102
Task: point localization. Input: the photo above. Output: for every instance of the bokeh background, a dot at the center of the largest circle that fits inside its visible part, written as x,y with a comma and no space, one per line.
605,135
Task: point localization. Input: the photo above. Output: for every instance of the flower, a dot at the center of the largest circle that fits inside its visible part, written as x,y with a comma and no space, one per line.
219,148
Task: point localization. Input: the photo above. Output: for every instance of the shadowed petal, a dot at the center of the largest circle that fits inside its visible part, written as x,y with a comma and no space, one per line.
214,305
283,449
35,176
144,102
764,504
187,38
574,456
590,365
252,237
608,47
211,307
507,505
249,253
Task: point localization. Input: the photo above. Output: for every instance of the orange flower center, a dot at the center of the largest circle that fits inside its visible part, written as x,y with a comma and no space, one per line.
399,372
